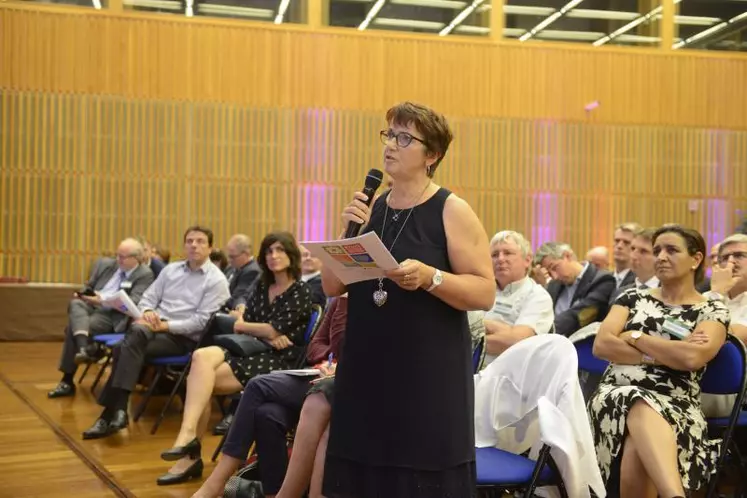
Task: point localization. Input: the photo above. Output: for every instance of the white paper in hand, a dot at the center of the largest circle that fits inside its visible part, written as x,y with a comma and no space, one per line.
356,259
121,302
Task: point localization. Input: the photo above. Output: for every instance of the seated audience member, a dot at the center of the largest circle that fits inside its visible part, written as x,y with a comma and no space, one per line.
155,264
729,282
161,253
580,291
270,406
705,284
176,309
522,307
599,256
219,259
277,313
642,263
241,274
87,317
646,414
623,239
312,275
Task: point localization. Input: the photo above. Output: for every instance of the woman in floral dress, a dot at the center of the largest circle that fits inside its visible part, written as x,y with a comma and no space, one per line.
646,413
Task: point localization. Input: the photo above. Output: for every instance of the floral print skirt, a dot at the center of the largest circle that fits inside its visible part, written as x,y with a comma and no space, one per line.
671,396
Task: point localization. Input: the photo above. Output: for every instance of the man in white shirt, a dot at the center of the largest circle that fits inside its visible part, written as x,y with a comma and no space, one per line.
623,238
729,282
522,307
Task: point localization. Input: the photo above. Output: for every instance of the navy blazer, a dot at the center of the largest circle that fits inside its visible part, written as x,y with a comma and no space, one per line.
590,302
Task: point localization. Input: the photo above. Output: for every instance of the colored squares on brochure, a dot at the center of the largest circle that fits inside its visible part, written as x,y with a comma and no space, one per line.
344,259
332,250
362,258
355,249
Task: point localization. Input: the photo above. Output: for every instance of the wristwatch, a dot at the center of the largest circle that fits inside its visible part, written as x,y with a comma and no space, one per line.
635,335
437,279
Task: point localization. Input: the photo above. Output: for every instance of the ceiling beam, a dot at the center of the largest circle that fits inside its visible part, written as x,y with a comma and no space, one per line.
550,19
632,24
460,17
714,33
371,14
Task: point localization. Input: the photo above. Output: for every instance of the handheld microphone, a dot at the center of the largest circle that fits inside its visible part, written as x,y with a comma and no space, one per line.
373,182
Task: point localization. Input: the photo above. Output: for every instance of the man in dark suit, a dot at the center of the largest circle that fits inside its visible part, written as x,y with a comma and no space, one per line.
642,261
311,273
87,317
623,238
580,291
242,273
154,263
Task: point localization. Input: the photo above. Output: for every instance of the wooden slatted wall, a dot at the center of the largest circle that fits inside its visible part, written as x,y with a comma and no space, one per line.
162,122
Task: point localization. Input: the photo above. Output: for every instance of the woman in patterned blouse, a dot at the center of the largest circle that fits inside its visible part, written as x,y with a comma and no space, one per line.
646,414
277,313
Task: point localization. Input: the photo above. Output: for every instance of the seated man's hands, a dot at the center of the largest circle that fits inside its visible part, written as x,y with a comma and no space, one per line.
154,323
238,312
280,342
92,300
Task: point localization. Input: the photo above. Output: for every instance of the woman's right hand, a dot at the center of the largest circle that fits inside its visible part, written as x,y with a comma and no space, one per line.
357,211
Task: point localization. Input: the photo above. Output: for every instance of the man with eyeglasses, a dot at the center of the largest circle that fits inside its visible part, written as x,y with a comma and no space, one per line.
86,315
729,282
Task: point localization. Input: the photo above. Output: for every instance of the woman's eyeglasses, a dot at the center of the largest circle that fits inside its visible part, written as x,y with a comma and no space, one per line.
403,139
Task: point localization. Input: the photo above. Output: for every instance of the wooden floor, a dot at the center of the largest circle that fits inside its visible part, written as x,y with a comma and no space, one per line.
41,450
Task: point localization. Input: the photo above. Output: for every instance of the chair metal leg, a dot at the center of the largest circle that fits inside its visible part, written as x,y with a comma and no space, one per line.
542,459
141,407
219,447
85,372
177,385
101,372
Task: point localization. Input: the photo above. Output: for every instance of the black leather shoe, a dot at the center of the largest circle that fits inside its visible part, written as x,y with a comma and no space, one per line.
119,421
222,427
99,429
194,471
82,357
192,449
63,389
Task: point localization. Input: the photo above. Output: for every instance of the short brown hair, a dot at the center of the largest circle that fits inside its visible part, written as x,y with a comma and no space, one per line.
197,228
646,234
436,132
694,242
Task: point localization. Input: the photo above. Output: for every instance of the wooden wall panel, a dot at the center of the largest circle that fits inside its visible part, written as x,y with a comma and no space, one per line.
262,65
80,172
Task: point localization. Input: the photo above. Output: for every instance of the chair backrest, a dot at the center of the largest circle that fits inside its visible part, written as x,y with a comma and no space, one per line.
726,374
477,355
314,321
587,362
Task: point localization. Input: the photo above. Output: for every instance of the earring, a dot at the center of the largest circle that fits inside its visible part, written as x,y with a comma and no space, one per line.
428,170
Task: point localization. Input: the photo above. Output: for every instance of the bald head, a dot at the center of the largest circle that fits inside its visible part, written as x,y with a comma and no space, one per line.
599,256
239,250
129,254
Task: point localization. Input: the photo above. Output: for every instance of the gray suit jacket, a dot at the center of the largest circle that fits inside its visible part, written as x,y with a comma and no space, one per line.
135,285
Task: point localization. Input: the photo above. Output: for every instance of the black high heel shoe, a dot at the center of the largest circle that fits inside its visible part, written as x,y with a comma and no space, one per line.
192,449
194,471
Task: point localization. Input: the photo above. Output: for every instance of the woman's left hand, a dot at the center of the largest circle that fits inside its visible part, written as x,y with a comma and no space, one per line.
412,275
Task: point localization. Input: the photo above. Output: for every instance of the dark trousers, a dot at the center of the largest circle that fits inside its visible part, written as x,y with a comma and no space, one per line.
129,357
269,408
83,316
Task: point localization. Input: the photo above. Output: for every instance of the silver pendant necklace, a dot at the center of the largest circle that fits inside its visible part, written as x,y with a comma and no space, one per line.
380,295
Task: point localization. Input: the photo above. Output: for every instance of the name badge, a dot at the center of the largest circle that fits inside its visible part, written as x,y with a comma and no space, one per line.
676,328
502,309
126,285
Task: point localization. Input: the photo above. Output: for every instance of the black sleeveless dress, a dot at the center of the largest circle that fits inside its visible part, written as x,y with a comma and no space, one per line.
402,419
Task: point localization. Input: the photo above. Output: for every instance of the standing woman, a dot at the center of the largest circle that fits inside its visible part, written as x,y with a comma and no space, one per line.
404,427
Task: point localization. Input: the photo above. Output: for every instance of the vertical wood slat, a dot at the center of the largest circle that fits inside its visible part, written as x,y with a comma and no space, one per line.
80,172
170,58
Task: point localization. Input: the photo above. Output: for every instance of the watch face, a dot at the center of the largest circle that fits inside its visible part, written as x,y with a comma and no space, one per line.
637,334
437,278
